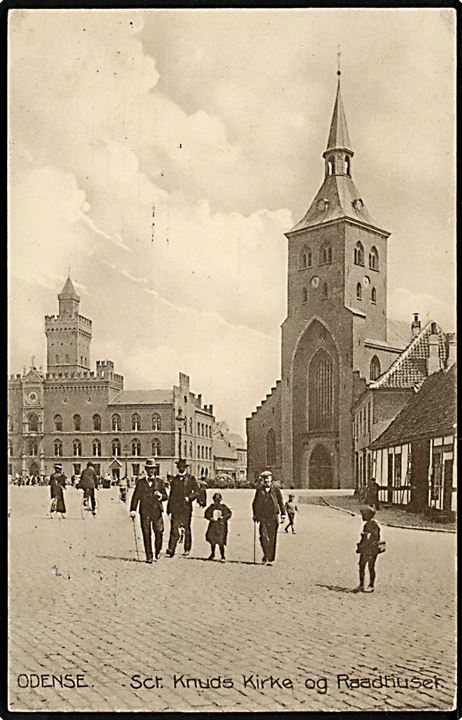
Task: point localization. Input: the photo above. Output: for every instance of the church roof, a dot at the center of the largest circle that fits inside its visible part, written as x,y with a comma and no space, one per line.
338,134
431,412
68,290
410,367
143,397
337,198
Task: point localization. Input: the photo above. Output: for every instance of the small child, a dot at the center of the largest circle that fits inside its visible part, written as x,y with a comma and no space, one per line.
291,509
217,532
368,549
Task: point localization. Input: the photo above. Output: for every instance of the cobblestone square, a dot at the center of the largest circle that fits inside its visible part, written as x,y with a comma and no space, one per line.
188,635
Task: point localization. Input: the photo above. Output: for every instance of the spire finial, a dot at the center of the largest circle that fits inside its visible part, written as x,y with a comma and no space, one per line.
68,271
339,69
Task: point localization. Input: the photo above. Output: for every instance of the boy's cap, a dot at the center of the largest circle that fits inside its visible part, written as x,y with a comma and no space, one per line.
367,512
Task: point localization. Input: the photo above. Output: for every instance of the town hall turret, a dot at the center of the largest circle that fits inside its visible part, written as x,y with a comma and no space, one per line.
336,325
68,334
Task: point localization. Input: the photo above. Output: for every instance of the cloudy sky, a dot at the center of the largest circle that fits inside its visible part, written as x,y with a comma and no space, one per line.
163,154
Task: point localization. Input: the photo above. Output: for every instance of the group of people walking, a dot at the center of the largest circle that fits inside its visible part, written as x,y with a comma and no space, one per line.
88,483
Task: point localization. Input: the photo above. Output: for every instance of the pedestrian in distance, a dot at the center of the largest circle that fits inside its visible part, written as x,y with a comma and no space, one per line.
266,507
368,548
57,485
218,515
149,495
291,509
183,492
371,494
123,488
88,483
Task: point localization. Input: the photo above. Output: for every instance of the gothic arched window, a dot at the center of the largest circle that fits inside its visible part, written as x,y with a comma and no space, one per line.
321,391
96,448
374,370
325,254
116,423
58,448
156,423
359,254
359,291
136,448
96,422
33,423
116,448
304,295
77,420
58,423
155,448
374,295
347,165
374,258
271,447
305,258
77,448
136,422
33,449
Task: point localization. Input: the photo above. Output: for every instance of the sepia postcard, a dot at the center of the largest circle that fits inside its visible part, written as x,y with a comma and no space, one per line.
232,360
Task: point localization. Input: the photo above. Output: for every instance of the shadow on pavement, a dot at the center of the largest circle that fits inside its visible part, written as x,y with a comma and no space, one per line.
336,588
228,562
115,557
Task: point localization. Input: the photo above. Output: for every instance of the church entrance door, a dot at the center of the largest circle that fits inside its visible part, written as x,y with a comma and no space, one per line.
320,471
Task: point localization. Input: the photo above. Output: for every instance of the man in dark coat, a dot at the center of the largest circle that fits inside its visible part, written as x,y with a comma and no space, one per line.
149,494
183,492
266,506
371,495
57,485
88,483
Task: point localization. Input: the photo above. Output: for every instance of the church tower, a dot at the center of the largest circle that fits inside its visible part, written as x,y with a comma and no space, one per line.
336,322
68,334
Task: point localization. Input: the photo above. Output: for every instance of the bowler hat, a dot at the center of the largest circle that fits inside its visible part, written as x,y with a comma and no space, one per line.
150,463
181,461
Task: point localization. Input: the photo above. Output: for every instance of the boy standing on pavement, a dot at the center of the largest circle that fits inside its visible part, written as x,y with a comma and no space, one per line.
291,509
149,494
368,549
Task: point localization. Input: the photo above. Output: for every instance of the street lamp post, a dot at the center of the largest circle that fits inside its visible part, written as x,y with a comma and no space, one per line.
126,465
180,419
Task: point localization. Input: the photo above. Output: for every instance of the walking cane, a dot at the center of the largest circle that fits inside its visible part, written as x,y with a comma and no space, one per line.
254,543
136,541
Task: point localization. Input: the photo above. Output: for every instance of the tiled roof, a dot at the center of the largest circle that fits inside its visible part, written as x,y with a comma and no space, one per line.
143,397
236,441
410,367
222,450
431,412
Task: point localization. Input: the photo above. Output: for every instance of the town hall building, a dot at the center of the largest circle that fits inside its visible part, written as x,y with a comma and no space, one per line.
336,335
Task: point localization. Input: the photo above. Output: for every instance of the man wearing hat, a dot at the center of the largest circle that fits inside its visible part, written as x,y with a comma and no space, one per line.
149,494
266,506
88,483
57,485
183,491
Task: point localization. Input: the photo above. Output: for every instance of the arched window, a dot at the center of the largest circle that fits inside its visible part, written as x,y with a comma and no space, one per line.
77,448
198,428
305,258
136,448
77,420
136,422
271,447
325,290
67,358
58,423
33,423
304,295
96,448
185,448
374,371
330,167
116,448
359,291
321,391
359,254
96,422
116,423
33,449
347,165
374,258
190,426
58,448
156,424
374,295
325,254
155,448
190,449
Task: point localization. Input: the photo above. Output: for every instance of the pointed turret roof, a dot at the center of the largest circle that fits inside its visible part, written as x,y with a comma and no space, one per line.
338,134
68,291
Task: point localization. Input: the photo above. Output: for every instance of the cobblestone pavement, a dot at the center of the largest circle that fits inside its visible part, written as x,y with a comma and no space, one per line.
80,603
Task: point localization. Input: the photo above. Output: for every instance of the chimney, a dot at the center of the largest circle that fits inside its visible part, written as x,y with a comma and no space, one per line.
452,350
416,325
199,399
433,360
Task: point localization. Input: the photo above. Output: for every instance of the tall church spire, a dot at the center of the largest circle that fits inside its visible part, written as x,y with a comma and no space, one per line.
339,138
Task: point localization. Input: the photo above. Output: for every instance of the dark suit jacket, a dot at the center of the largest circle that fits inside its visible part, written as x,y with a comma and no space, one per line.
266,506
144,495
183,491
88,479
